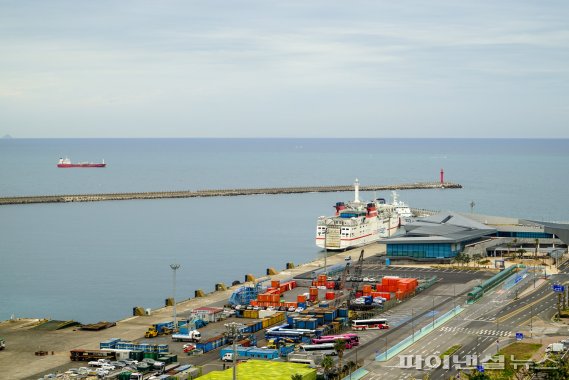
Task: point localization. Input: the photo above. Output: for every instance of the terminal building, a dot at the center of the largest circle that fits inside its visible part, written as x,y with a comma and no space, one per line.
441,237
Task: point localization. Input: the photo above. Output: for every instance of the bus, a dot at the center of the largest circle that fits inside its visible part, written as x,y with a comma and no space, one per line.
370,324
332,339
324,348
354,338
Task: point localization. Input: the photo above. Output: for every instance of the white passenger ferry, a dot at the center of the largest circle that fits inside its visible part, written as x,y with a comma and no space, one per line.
356,223
401,209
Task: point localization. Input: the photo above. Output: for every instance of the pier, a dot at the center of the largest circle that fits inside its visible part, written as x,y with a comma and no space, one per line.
218,193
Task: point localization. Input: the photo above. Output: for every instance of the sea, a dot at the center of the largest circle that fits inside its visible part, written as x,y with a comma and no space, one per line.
95,261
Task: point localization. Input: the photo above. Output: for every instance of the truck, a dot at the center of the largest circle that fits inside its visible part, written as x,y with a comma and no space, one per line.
162,328
555,348
190,336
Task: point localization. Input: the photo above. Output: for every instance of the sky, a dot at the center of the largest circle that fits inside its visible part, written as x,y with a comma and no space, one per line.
263,68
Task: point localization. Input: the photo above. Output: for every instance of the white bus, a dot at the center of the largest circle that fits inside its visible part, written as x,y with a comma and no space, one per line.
370,324
323,348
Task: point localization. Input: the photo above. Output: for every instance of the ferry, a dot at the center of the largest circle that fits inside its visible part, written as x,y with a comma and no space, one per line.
66,163
356,223
401,209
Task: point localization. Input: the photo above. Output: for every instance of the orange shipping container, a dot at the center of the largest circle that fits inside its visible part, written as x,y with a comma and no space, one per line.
330,295
313,290
366,288
301,298
275,283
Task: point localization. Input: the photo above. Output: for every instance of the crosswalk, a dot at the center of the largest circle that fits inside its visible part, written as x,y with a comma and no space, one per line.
481,332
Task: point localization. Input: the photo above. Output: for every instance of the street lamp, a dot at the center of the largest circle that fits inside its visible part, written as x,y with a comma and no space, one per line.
412,324
233,331
174,268
433,312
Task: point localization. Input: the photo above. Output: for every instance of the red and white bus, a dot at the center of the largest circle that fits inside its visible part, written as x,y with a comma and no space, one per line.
332,339
370,324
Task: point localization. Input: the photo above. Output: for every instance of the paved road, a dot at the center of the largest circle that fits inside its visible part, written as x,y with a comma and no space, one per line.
482,328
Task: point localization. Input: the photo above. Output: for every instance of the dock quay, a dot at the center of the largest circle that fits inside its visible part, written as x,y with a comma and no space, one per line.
218,193
19,362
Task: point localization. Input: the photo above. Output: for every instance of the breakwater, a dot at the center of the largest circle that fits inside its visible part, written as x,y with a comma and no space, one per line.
217,193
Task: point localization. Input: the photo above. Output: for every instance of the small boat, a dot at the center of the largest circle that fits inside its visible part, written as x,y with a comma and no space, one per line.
66,163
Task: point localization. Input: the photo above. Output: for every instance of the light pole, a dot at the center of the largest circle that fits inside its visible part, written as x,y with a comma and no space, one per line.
531,322
233,331
174,267
433,312
412,324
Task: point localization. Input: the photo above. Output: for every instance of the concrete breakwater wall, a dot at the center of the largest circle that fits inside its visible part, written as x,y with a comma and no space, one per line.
217,193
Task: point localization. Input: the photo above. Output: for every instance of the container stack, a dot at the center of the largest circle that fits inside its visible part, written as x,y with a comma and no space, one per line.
313,293
406,287
272,296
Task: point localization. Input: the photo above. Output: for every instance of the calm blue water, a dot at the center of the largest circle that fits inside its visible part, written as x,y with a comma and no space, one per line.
95,261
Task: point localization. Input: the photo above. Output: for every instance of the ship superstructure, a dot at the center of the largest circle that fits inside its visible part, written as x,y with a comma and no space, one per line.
356,223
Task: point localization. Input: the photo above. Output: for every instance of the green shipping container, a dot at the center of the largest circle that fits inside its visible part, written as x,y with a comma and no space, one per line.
136,355
164,359
124,376
151,355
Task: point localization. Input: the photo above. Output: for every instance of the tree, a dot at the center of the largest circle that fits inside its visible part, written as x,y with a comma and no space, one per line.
466,259
327,364
340,347
521,253
477,257
536,247
485,262
296,376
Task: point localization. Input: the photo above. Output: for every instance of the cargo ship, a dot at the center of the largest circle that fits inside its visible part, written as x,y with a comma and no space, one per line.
356,223
66,163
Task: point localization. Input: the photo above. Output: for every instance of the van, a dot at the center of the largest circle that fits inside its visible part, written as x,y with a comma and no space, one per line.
227,357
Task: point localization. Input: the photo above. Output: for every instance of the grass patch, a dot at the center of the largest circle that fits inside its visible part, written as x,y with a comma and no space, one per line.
451,350
521,351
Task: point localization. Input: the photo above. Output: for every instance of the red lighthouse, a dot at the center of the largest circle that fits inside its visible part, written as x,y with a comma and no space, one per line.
442,176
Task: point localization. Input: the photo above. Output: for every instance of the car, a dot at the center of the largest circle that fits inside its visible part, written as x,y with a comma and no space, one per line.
101,372
291,309
108,367
366,279
348,258
371,279
83,370
299,309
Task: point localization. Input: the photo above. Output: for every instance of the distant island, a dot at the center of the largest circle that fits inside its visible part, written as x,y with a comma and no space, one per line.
6,137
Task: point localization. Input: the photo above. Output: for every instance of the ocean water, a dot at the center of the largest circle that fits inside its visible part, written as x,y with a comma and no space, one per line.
95,261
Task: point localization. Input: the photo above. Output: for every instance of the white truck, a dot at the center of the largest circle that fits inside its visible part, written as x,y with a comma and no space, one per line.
555,348
191,336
